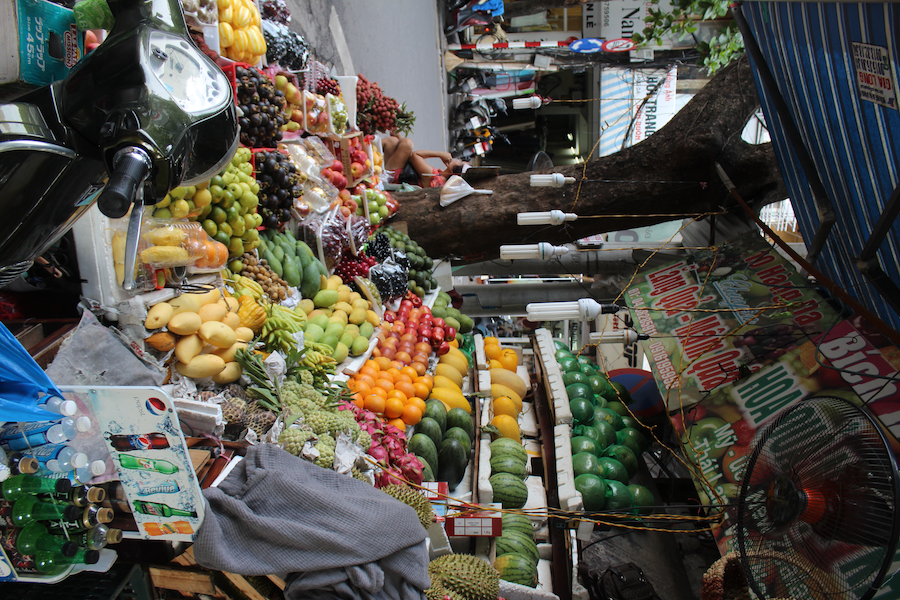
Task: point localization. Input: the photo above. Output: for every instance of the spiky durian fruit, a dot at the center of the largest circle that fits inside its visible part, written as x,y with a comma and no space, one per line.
465,577
408,495
437,592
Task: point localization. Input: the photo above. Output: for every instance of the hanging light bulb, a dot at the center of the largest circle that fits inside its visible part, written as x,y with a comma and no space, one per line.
550,180
553,217
583,310
622,336
529,103
541,251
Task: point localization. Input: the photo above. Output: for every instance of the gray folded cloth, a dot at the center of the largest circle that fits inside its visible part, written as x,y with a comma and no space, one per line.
335,536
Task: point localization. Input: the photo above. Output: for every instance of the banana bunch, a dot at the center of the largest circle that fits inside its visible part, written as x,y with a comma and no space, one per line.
317,358
245,286
281,323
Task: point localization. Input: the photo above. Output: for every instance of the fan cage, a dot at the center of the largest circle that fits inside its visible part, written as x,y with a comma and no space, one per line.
835,536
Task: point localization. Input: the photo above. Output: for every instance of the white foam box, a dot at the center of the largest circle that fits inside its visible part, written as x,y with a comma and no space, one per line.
39,45
481,361
569,497
514,591
553,382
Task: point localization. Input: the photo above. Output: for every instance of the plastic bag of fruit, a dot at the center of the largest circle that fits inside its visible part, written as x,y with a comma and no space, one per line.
315,119
390,279
329,234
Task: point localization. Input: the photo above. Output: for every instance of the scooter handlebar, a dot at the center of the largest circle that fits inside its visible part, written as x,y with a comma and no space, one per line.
132,166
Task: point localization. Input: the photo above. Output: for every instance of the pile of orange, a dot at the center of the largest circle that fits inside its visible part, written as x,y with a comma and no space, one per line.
396,393
500,358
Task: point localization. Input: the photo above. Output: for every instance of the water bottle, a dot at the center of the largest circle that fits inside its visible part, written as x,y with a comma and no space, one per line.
96,468
60,406
28,435
60,458
51,563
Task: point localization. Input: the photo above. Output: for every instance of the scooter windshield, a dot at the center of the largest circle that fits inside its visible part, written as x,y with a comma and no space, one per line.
195,84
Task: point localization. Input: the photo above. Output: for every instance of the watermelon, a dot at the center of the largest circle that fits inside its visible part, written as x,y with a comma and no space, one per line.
505,463
435,409
582,443
432,429
585,462
452,462
427,471
517,522
458,417
613,470
462,437
582,411
516,568
510,447
421,445
509,490
593,491
515,542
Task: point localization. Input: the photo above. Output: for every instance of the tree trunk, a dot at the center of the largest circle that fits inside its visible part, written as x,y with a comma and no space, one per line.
530,7
672,172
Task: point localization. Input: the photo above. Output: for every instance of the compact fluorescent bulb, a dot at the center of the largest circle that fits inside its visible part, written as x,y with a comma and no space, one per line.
539,251
557,180
553,217
584,310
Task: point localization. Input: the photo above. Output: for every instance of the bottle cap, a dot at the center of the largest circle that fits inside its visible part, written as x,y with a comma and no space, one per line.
98,467
83,423
29,465
68,408
79,460
69,549
91,557
113,536
105,515
63,486
96,495
72,513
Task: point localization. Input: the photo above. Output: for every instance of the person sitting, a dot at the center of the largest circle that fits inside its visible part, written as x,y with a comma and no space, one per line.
412,167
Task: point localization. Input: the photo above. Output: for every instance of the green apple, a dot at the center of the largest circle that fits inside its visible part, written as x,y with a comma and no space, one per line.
702,435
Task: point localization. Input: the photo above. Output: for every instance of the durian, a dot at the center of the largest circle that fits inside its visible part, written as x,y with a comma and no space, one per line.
408,495
437,592
465,577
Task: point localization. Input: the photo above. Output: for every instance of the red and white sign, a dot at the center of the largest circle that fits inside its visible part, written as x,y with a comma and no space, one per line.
475,524
619,45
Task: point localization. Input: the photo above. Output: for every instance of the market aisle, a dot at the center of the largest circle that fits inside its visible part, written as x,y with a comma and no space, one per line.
396,43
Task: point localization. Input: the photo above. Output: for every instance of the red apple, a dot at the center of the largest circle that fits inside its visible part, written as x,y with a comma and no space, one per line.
344,195
443,349
357,169
328,174
339,181
337,166
297,116
437,322
359,190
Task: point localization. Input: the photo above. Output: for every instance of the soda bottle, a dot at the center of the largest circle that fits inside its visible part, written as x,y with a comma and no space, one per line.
158,509
182,527
142,441
28,435
116,498
28,509
60,457
35,537
97,538
51,563
23,485
82,495
19,463
82,520
129,461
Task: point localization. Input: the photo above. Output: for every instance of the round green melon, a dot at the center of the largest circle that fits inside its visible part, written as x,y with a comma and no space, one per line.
586,463
509,490
506,463
589,431
517,522
617,407
567,365
437,410
643,498
611,417
582,443
460,435
624,395
574,377
605,429
518,569
582,411
618,496
593,490
458,417
427,471
508,447
516,542
613,469
632,439
625,456
579,390
432,429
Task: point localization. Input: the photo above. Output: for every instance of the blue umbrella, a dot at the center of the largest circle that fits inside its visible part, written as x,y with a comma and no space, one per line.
22,383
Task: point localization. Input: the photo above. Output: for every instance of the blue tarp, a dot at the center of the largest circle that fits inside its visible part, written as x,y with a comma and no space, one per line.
854,142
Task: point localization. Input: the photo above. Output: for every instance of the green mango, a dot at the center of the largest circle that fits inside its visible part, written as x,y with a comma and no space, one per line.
309,286
293,273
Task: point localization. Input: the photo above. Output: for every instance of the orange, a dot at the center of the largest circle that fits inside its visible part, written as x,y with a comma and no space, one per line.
410,373
418,367
374,402
427,380
367,370
384,363
491,341
379,391
396,364
358,400
403,376
372,363
398,423
418,402
411,415
366,379
493,352
505,406
422,390
403,357
509,359
406,388
385,383
393,408
397,394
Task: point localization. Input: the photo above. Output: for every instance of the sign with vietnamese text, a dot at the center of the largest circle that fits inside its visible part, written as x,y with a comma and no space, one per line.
613,20
875,79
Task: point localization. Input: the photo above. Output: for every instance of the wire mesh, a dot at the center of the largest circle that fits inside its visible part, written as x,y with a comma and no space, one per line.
817,517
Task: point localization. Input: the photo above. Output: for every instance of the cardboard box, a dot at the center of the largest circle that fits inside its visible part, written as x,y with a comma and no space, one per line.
475,524
341,150
40,45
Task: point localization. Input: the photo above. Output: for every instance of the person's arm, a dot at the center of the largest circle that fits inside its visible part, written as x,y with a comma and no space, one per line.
444,156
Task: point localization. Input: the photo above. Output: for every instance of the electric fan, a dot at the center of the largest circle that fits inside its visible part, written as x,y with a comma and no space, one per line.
817,513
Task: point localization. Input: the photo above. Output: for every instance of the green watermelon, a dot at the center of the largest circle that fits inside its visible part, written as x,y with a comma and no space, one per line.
624,455
437,410
582,411
516,542
613,470
462,437
509,490
518,569
585,462
505,463
618,496
427,471
508,447
517,522
452,462
458,417
582,443
430,427
593,491
421,445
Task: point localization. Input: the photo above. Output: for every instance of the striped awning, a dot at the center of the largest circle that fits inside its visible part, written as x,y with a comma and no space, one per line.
816,52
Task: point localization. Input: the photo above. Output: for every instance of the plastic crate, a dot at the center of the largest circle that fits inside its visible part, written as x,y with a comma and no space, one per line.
121,582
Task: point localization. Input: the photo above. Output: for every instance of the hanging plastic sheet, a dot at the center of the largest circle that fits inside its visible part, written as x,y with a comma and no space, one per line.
457,188
23,384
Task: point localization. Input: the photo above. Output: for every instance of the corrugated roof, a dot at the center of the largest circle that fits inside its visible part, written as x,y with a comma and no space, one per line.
854,143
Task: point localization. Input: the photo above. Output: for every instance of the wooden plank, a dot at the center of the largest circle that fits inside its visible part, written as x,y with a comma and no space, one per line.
194,582
278,581
186,558
244,586
199,458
